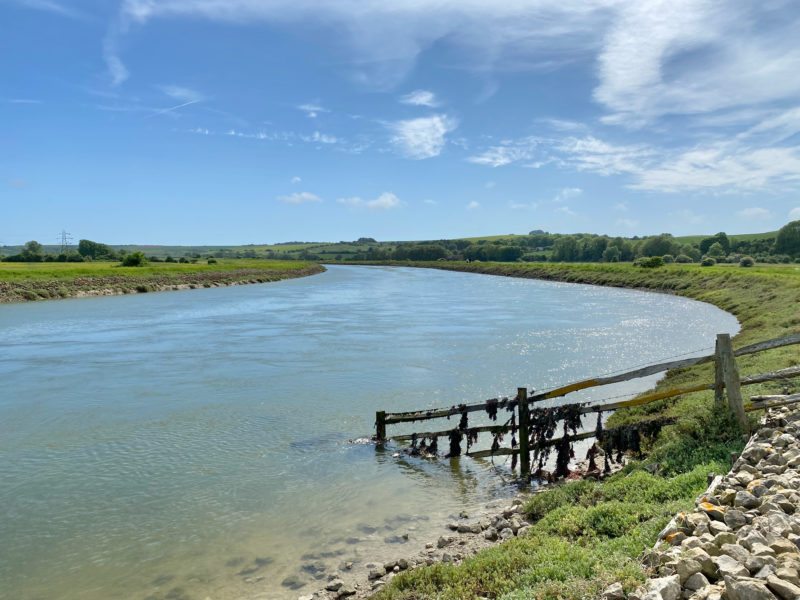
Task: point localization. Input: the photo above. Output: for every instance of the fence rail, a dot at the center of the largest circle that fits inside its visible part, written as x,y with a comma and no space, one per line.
726,382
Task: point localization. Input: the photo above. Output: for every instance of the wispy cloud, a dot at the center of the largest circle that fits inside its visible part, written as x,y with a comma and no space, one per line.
300,198
386,201
523,205
757,213
690,217
794,213
473,205
182,94
295,179
119,73
23,101
566,210
170,109
621,207
591,154
49,6
424,137
312,110
420,98
630,224
565,194
507,152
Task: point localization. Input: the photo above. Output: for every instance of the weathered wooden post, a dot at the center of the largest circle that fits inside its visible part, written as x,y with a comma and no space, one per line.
524,434
380,425
730,376
719,382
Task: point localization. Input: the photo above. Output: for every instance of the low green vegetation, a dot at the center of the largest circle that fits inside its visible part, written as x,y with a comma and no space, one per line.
587,535
45,280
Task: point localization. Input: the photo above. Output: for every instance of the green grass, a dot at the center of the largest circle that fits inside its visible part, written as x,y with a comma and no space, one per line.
33,281
588,535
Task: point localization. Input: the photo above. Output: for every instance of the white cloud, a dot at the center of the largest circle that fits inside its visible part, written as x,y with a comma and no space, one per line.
295,179
322,138
473,205
631,224
621,207
566,210
562,124
567,193
386,201
424,137
420,98
754,213
431,202
489,185
591,154
690,217
182,94
794,213
312,110
523,205
23,101
300,198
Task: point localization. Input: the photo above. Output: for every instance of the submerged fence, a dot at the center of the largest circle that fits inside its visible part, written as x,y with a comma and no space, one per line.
535,427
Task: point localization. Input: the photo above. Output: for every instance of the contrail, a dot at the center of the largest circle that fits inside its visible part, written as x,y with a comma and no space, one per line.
166,110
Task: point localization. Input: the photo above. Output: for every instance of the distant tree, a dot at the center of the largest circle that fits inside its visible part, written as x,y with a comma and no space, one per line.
683,258
134,259
32,252
611,254
788,240
716,251
668,259
96,251
658,245
565,249
746,261
720,238
510,253
708,262
366,240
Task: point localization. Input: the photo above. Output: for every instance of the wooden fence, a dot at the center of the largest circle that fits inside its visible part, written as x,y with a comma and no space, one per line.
544,421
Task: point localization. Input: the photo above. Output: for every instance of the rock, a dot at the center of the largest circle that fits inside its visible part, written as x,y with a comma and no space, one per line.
784,589
696,582
761,550
376,573
464,528
346,590
765,572
788,574
523,530
403,564
491,534
746,500
782,545
500,523
737,552
715,527
614,592
724,538
747,589
443,542
463,515
753,537
446,558
730,567
707,566
333,586
506,534
388,566
712,510
735,518
675,539
758,489
686,568
453,526
754,453
665,588
293,582
484,524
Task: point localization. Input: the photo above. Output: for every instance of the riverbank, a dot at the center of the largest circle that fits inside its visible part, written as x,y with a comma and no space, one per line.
588,535
21,282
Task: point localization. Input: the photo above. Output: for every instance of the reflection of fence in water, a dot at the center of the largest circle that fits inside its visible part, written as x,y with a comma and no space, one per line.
536,426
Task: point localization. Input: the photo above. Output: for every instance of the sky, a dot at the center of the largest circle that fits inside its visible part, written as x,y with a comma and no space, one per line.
263,121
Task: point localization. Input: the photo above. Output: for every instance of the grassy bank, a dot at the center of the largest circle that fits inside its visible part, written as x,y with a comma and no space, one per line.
44,281
588,534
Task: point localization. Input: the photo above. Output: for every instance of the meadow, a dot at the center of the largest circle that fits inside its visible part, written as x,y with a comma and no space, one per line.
587,534
46,280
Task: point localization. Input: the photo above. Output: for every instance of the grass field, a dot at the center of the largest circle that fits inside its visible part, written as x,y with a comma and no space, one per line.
35,281
588,535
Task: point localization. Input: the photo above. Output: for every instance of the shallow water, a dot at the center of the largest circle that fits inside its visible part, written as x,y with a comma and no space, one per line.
195,444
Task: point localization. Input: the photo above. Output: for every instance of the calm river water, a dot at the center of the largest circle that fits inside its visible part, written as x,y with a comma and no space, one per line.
195,444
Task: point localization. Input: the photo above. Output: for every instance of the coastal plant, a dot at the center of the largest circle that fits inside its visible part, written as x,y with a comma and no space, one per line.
708,262
683,258
746,261
134,259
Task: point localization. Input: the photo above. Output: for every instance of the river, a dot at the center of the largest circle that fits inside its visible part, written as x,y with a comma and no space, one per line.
195,444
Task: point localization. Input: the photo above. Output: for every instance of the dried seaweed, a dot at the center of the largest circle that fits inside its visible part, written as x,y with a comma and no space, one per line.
472,437
463,424
543,423
433,447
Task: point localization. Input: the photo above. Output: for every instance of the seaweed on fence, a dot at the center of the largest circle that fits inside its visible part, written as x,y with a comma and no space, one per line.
472,438
491,408
455,443
433,447
627,438
542,424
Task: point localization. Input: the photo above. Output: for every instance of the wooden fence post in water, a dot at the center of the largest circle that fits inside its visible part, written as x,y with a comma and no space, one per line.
524,434
380,425
730,375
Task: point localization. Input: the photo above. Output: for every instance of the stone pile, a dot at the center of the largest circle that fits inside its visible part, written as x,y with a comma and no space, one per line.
742,542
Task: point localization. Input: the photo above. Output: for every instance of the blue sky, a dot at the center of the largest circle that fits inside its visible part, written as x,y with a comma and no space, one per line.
253,121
